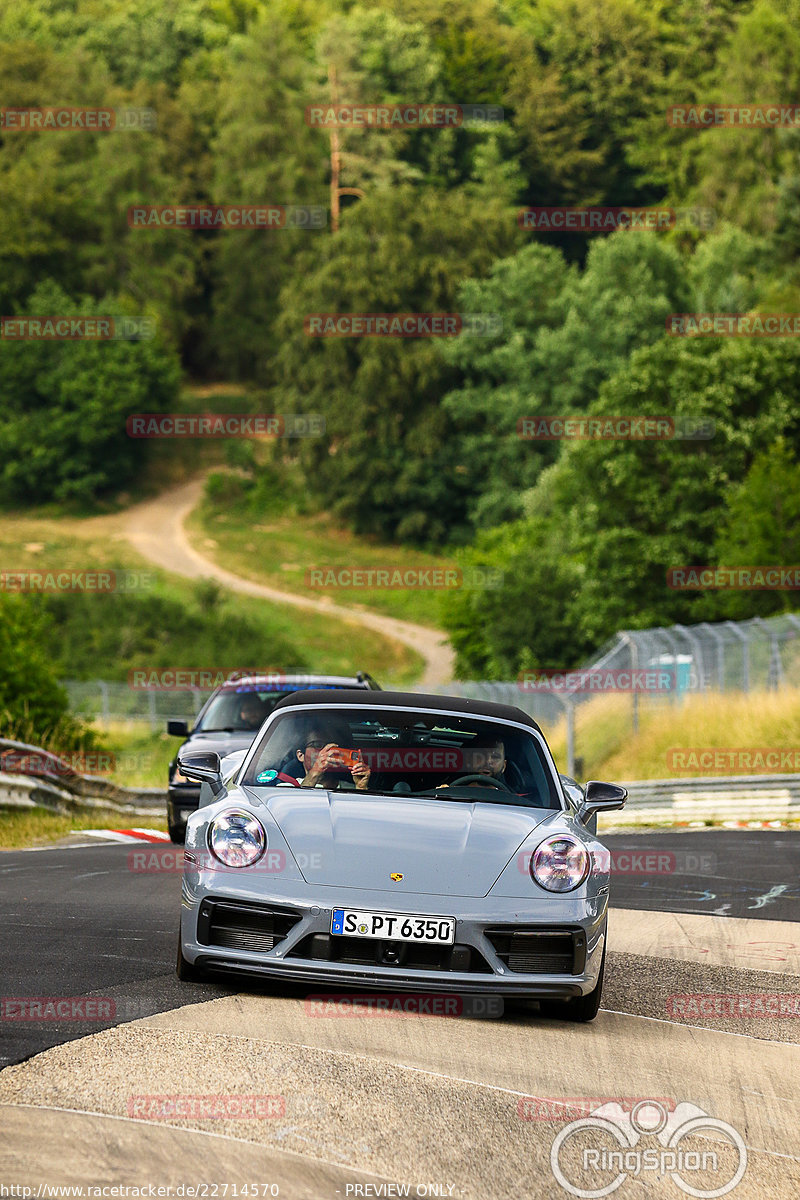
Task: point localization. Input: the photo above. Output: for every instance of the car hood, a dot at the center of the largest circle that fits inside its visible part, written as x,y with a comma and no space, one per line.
440,847
220,743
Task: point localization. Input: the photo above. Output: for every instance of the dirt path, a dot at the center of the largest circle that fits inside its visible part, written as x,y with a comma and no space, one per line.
155,528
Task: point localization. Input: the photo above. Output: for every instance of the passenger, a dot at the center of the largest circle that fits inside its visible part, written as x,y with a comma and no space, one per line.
321,753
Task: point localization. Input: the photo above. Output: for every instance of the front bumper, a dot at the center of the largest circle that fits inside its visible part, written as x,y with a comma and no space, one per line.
483,927
181,801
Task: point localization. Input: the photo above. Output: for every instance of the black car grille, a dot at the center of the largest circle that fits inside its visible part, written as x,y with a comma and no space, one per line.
239,926
408,956
540,952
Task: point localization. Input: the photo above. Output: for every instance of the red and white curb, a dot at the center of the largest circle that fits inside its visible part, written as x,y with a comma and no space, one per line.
125,835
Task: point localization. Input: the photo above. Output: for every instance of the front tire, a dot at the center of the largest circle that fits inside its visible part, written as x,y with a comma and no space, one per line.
177,833
187,972
579,1008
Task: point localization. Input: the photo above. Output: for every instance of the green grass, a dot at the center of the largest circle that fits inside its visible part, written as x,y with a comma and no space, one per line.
140,755
279,548
604,735
326,644
25,827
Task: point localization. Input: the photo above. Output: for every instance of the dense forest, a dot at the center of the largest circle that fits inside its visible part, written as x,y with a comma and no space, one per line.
422,441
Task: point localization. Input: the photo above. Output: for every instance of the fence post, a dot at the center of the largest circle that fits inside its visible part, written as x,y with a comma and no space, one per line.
105,710
745,654
569,704
630,641
720,653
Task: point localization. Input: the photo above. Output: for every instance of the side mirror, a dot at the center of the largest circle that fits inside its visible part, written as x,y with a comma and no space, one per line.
601,797
203,767
177,728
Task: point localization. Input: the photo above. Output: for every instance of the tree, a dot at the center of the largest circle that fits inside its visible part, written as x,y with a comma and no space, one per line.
386,463
760,527
65,405
32,704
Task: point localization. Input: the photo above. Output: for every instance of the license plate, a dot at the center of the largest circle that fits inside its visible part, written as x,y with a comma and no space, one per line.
396,927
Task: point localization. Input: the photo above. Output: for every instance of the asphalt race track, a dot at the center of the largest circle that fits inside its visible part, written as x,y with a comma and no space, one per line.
360,1104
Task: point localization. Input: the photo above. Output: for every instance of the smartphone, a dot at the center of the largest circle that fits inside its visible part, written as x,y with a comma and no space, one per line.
348,758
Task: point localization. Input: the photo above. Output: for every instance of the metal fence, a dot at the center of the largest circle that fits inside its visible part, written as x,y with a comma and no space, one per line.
105,701
731,656
658,666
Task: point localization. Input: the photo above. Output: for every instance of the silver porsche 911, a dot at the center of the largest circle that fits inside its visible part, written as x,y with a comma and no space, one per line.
398,841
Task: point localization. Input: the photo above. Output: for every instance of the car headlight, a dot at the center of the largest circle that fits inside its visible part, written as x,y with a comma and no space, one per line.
237,839
560,864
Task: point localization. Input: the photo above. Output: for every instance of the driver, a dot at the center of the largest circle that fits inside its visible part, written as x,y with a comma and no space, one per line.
485,757
251,711
489,759
320,753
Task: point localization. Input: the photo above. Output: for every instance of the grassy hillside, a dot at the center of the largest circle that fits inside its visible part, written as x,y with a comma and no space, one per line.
610,750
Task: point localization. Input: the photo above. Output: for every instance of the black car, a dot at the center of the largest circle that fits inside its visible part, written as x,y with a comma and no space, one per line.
229,721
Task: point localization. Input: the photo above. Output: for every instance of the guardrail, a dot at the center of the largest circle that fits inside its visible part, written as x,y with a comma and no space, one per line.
42,779
728,798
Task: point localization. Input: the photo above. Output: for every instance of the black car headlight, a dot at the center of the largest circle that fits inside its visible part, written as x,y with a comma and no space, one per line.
560,864
237,839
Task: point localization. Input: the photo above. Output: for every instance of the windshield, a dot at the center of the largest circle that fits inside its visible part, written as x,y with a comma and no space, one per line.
392,751
244,707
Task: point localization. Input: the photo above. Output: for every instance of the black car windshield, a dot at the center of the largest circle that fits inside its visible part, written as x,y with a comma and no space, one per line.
450,756
245,706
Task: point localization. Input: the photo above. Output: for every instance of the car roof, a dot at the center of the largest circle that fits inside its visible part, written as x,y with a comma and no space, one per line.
278,682
446,704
